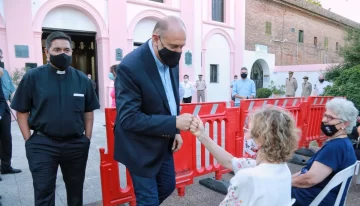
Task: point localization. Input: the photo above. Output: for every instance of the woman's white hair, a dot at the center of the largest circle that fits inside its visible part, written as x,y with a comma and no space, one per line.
344,110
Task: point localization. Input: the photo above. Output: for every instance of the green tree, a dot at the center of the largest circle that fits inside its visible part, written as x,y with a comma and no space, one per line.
350,52
347,85
316,2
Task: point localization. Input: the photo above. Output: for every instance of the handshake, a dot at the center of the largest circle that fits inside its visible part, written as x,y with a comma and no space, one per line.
188,122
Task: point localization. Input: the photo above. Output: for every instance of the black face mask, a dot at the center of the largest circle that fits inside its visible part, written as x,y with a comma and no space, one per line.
61,61
329,130
321,80
243,76
170,58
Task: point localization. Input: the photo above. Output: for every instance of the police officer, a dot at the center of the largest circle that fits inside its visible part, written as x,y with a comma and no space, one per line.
291,85
57,102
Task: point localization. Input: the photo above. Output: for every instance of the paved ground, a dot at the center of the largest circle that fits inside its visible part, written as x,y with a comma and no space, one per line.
17,189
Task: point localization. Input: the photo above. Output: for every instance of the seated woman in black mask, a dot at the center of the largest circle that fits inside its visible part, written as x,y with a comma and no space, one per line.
336,154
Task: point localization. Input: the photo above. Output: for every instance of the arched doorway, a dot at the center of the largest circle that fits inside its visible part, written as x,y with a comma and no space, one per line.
95,25
260,74
143,31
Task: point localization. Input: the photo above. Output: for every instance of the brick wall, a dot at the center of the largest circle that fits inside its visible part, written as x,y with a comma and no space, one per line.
286,21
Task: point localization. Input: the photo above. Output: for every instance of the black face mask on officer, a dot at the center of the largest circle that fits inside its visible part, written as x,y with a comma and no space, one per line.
61,61
170,58
243,75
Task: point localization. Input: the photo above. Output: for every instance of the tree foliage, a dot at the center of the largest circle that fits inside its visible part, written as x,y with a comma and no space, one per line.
316,2
348,85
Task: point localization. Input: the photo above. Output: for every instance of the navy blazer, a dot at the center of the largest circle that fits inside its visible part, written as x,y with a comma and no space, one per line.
144,127
4,107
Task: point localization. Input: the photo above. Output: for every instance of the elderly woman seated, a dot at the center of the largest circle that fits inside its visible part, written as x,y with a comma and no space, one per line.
336,155
265,181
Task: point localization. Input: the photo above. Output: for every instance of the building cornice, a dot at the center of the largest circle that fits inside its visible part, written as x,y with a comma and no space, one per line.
318,11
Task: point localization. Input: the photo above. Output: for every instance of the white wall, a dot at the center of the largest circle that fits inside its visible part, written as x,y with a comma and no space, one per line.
134,9
100,5
197,41
143,30
176,4
279,78
68,18
251,56
218,52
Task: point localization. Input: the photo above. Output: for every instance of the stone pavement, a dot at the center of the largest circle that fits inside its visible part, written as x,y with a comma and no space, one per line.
17,189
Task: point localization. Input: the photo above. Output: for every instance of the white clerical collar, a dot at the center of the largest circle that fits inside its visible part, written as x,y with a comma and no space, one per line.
60,72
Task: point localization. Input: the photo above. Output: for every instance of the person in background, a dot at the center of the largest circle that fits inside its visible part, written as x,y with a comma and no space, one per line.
112,76
335,155
306,87
7,83
92,81
232,85
266,180
319,87
188,89
291,85
5,125
200,87
243,88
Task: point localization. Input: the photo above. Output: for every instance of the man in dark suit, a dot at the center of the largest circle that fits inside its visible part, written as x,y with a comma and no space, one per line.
148,124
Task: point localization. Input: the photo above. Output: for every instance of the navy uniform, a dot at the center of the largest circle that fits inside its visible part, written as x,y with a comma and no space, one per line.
56,101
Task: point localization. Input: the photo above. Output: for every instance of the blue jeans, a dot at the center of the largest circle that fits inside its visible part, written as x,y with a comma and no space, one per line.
236,104
152,191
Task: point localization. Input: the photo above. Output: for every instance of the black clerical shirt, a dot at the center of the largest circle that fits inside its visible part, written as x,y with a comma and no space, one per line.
56,100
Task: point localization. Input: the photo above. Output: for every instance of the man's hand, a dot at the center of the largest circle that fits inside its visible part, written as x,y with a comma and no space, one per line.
252,97
178,142
183,121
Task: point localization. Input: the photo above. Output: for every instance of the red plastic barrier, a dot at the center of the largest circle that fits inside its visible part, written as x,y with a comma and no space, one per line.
223,123
185,159
315,109
293,104
112,193
203,108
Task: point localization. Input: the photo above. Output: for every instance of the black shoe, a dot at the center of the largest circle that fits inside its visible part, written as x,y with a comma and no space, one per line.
10,171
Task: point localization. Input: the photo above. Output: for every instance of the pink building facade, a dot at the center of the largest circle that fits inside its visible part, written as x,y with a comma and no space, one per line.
122,25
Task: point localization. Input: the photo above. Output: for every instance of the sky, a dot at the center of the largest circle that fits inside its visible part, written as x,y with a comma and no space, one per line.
346,8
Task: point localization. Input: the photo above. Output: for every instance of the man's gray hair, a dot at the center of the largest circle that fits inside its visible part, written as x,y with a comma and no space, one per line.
244,68
344,110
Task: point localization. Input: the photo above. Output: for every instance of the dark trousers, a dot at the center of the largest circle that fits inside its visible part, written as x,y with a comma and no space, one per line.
44,155
152,191
187,99
6,141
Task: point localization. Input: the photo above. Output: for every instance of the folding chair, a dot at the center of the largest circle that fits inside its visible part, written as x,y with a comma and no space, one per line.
340,178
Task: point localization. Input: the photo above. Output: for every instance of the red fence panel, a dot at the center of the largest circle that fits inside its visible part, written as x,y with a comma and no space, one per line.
315,111
112,192
225,125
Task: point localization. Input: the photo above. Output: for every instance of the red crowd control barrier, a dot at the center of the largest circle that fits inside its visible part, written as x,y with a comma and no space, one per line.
224,125
112,193
315,109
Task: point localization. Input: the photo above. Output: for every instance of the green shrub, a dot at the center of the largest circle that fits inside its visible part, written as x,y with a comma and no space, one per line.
277,90
348,85
263,93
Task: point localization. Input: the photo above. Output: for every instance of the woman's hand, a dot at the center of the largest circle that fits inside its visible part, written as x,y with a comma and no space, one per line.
197,126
